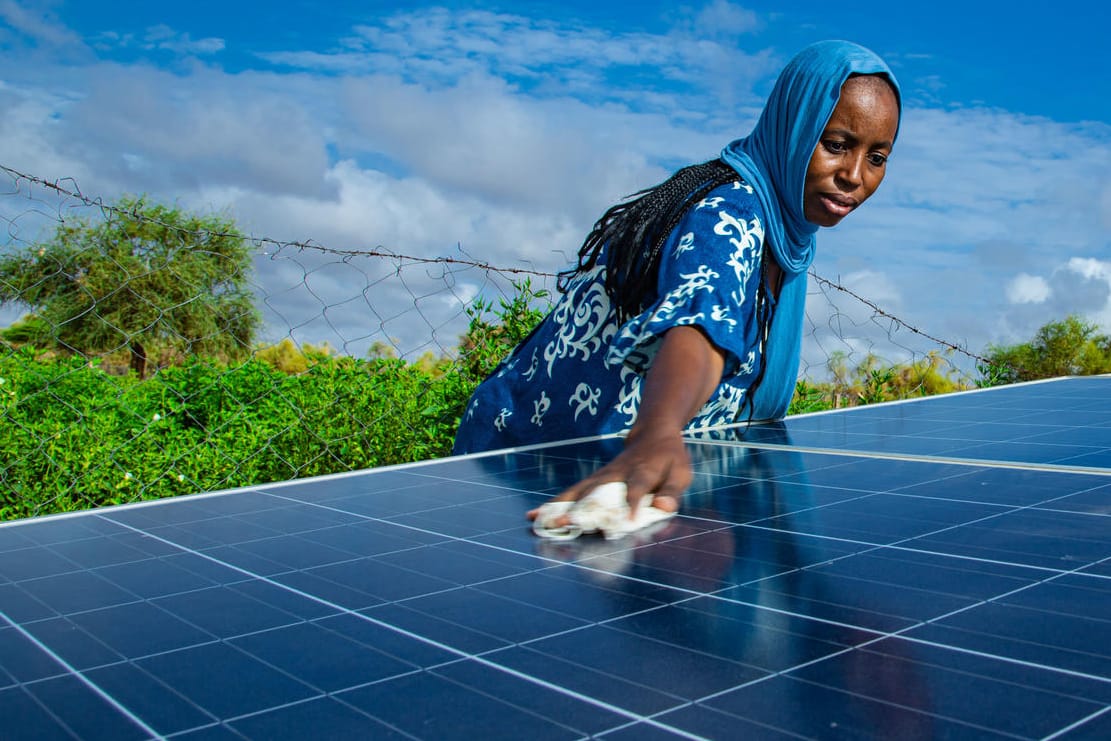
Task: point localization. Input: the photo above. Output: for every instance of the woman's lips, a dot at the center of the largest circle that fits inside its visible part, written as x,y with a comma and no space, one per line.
837,206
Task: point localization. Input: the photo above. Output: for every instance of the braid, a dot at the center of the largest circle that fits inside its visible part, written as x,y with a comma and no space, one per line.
634,233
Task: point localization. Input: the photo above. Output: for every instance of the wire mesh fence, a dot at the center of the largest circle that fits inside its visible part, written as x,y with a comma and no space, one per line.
147,352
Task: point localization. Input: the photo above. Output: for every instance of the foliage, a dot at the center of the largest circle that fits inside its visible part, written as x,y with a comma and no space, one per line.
1069,347
31,330
287,357
145,276
489,340
808,398
991,374
871,381
73,436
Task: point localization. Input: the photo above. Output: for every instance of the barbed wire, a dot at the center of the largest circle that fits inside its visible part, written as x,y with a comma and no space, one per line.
896,320
377,251
382,252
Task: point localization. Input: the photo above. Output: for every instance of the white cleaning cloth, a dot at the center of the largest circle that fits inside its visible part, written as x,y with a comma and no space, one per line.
604,510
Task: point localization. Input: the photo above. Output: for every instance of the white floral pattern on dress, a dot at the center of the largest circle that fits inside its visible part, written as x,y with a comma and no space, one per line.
540,408
686,243
583,318
585,398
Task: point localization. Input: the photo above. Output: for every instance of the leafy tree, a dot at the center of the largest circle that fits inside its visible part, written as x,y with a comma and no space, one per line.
809,398
288,358
487,342
380,349
145,276
927,376
1070,347
31,330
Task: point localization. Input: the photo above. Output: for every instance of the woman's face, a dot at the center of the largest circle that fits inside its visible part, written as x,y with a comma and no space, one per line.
851,157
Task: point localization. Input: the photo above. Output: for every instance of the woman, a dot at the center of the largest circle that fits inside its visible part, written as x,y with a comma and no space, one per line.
686,308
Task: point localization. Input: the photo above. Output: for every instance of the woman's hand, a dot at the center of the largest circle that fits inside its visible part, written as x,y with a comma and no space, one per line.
651,463
686,371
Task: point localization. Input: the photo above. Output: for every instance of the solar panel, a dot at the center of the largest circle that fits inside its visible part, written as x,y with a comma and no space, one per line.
1063,423
836,575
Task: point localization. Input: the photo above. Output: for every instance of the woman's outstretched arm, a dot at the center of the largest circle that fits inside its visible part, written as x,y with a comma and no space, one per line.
685,372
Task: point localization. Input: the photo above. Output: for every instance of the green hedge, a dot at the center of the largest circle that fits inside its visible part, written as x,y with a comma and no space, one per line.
75,437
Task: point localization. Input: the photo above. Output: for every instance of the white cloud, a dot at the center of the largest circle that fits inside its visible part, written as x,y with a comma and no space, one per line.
1028,289
721,17
143,129
165,38
159,38
441,47
1093,292
481,139
38,25
1090,268
1077,285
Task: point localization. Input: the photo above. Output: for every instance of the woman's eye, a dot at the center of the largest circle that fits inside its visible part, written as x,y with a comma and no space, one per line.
877,159
834,147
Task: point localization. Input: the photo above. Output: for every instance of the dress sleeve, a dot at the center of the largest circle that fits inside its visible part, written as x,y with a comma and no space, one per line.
709,276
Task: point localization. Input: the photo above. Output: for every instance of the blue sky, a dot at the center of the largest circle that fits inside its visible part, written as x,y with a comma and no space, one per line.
506,128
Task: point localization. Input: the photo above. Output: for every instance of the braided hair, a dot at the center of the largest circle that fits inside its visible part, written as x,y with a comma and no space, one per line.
633,234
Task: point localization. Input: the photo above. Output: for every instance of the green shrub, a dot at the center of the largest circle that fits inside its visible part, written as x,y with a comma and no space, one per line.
74,437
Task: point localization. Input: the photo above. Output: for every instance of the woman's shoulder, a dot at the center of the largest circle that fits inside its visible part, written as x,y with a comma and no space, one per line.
736,193
733,202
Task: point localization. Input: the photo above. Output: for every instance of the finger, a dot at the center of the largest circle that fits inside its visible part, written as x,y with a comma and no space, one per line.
666,503
643,481
678,479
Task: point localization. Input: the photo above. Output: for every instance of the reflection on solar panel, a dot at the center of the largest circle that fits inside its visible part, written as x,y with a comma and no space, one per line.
807,589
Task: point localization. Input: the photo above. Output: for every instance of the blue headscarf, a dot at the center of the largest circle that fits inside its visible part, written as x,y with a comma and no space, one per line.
773,159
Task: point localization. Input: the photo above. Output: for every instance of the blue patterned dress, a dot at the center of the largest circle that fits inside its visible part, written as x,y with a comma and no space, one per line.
580,373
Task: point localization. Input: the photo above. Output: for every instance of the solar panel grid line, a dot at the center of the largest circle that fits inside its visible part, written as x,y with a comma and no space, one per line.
996,562
974,462
709,698
78,673
995,599
790,670
871,546
1054,573
875,546
1003,658
80,677
1064,732
985,518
